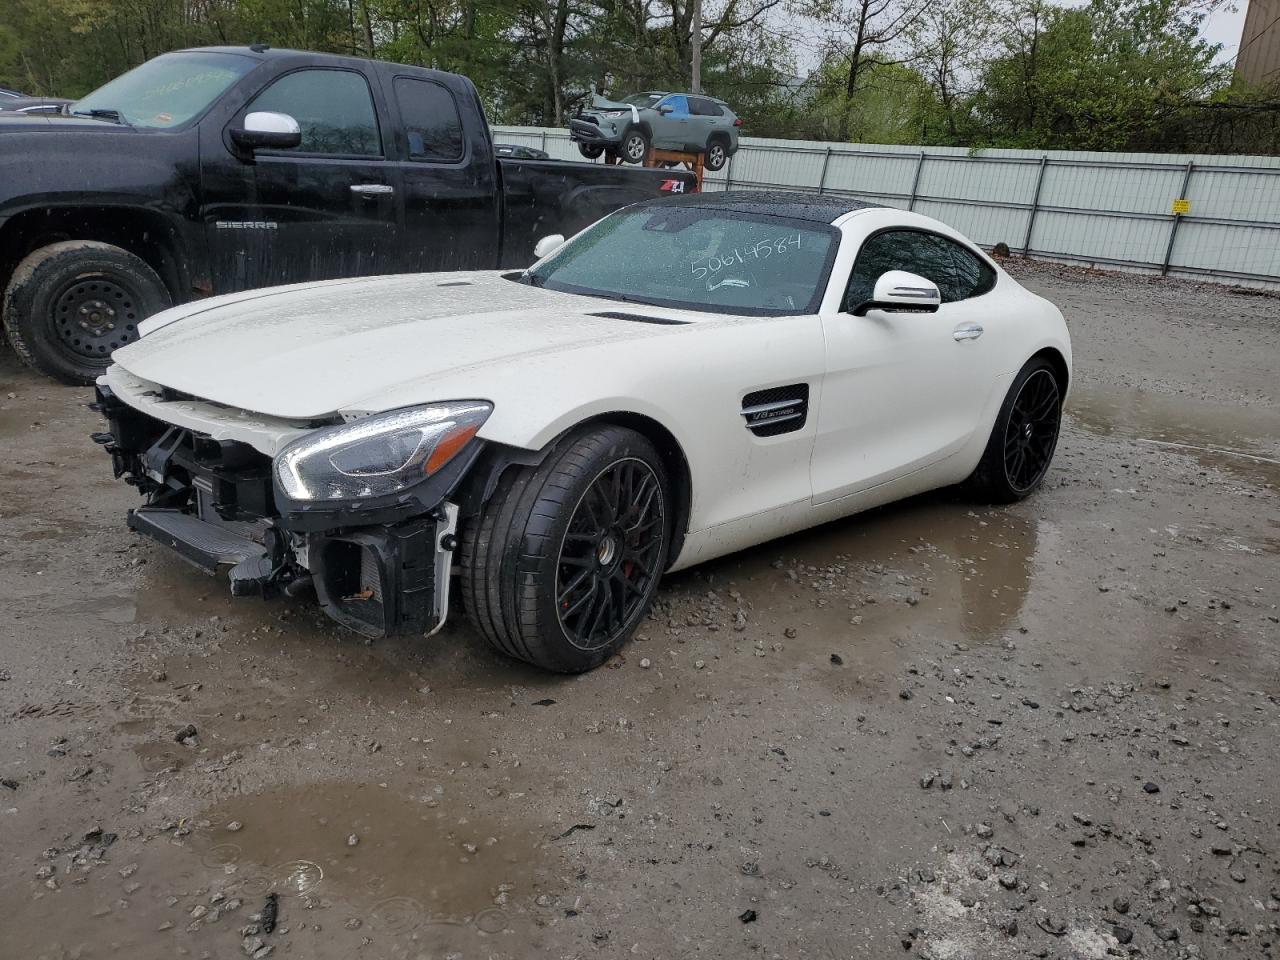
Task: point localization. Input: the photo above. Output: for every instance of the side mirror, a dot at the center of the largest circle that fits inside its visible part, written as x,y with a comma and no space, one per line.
548,245
898,291
666,108
266,129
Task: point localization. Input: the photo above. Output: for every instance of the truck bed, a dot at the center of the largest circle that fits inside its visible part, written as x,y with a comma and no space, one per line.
563,196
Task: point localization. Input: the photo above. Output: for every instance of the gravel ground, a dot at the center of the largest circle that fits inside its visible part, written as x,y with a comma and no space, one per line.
938,730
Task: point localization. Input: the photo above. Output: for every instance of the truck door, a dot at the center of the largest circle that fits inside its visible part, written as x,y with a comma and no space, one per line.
327,209
445,162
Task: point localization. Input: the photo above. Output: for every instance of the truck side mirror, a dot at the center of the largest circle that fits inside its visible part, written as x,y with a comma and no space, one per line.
265,129
548,245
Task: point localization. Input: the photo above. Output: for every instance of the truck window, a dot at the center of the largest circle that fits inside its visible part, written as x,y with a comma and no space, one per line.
431,120
169,90
333,107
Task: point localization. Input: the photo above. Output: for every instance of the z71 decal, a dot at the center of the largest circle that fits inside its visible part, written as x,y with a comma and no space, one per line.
673,186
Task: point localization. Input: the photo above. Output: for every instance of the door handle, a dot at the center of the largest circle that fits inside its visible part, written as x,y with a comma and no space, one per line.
373,189
967,331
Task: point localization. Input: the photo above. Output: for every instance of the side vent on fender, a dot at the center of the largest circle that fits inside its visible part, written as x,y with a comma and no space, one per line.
639,318
776,410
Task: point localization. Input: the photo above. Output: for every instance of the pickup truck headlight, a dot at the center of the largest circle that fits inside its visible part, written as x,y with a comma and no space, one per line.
380,454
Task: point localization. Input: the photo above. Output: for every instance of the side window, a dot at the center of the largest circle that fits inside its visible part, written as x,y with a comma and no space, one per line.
679,106
702,107
431,119
973,278
333,107
897,250
958,273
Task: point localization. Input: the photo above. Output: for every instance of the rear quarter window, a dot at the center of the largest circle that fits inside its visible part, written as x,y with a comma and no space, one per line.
432,124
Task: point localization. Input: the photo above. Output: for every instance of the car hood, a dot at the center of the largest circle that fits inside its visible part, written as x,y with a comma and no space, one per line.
309,351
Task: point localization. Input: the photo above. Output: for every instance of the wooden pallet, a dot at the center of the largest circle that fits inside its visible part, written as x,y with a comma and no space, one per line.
657,158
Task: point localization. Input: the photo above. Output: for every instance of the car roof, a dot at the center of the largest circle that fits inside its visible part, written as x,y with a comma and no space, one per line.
793,204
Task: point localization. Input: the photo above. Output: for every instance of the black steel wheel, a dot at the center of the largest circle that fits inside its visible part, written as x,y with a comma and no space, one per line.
1024,438
609,553
565,557
70,304
635,146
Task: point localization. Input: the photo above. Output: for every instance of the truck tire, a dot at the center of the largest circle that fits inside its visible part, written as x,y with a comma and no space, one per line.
1024,437
590,150
635,146
717,154
565,558
70,304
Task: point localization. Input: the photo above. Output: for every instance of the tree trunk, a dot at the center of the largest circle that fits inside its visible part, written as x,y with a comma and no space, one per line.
368,27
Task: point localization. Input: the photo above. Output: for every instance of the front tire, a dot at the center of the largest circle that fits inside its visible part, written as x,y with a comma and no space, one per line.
70,304
635,146
1024,437
565,558
590,150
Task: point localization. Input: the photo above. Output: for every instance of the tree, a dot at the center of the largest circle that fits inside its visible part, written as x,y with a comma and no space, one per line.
861,36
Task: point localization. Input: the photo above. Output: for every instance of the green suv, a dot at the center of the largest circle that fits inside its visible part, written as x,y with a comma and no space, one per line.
627,128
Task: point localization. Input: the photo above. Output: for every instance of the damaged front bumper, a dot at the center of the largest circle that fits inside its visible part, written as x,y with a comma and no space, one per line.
379,569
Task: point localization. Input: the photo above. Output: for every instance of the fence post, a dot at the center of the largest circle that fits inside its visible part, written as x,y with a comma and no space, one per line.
728,174
915,181
1035,207
822,177
1177,219
544,141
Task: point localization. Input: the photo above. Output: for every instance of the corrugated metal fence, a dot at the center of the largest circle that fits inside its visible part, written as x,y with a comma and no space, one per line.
1112,210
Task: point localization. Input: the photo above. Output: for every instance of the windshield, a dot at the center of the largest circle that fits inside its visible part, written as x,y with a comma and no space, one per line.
642,99
169,90
697,258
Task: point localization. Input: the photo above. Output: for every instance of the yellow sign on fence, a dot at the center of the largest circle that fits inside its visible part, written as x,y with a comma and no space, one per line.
1182,206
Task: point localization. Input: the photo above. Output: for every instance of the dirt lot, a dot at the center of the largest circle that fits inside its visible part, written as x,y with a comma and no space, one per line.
940,730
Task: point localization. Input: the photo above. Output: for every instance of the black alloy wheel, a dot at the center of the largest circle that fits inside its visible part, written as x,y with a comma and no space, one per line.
564,559
1024,437
1031,432
610,553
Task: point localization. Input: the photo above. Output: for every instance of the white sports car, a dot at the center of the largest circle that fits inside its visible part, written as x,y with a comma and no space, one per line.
685,378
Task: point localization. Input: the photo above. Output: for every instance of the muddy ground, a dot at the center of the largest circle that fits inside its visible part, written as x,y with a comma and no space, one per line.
939,730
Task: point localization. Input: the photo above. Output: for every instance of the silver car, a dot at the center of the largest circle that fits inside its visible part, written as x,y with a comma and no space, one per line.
627,128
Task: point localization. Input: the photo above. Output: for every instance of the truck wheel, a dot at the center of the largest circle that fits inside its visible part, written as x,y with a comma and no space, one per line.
564,560
70,304
1023,439
590,150
717,155
635,146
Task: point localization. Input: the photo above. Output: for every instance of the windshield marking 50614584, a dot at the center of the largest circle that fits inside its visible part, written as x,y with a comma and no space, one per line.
758,251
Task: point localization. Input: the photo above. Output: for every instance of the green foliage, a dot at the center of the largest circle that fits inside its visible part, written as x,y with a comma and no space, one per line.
1111,75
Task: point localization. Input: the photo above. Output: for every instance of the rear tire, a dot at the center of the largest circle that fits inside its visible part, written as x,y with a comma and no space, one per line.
635,146
717,155
1024,437
564,560
69,305
590,150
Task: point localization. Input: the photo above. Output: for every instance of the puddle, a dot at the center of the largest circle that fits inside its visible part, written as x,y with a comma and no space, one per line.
417,864
864,585
1243,441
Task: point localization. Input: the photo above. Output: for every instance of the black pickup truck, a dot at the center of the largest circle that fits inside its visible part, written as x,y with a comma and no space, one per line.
220,169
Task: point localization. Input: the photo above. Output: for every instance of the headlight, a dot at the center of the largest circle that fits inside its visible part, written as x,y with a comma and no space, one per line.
380,454
615,114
